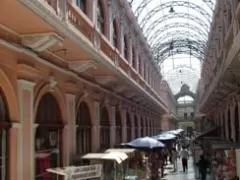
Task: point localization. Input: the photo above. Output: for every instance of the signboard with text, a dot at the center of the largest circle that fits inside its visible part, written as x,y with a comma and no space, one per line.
83,172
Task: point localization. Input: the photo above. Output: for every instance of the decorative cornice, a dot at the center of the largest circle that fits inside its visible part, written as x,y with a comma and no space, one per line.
42,41
81,66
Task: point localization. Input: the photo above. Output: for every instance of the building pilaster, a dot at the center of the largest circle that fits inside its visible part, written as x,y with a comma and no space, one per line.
26,133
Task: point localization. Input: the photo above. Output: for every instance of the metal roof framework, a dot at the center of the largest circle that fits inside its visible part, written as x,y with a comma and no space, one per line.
175,28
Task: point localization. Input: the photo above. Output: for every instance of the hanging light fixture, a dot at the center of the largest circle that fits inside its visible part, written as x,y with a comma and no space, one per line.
171,10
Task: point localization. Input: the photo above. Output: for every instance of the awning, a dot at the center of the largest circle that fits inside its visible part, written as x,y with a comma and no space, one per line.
117,156
127,151
214,132
224,145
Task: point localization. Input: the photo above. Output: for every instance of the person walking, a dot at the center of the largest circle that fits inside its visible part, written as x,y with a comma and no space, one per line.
174,159
203,165
184,155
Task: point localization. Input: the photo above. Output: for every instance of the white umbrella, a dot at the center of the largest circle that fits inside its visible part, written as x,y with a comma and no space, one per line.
165,137
146,142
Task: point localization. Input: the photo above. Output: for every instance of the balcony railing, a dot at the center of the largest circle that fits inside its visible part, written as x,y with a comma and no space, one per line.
85,26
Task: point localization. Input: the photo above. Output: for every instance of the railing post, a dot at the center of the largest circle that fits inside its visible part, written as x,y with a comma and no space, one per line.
62,9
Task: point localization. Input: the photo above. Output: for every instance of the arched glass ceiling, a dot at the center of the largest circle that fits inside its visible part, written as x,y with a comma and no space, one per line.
177,31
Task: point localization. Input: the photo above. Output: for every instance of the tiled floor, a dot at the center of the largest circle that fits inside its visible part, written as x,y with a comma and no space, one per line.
180,175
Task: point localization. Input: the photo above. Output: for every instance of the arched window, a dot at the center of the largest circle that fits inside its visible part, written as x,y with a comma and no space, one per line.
136,126
125,41
118,127
4,125
236,123
83,136
129,127
134,62
104,129
115,34
82,4
229,125
100,17
48,137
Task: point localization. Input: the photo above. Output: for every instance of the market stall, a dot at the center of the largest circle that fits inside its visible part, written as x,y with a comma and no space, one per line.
78,172
112,164
224,160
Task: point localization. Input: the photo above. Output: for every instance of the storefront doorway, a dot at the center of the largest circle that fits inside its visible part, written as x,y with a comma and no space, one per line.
136,126
118,128
84,126
48,137
4,125
129,127
104,129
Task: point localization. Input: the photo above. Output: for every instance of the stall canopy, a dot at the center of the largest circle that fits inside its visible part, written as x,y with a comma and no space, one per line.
116,156
214,132
127,151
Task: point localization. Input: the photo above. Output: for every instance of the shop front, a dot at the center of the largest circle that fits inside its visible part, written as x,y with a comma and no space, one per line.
4,126
48,138
224,160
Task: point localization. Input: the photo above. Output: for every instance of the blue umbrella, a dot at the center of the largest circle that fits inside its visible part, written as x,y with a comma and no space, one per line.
146,142
164,137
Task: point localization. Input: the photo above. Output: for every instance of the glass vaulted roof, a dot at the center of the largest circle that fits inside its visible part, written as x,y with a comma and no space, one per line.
177,31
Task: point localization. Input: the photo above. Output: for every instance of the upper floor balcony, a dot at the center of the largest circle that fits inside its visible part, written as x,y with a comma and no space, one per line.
90,43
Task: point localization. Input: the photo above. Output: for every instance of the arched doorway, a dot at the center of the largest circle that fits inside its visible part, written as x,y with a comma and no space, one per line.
229,125
48,137
118,128
83,133
136,126
129,127
236,123
104,129
4,125
142,127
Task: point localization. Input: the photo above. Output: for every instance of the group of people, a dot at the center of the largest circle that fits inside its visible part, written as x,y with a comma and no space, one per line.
202,164
159,158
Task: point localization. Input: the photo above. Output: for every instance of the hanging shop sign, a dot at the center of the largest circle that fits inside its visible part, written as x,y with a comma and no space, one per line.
83,172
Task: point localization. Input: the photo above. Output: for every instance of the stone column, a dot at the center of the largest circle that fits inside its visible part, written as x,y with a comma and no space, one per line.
26,133
15,149
70,129
96,128
124,128
110,21
112,126
94,12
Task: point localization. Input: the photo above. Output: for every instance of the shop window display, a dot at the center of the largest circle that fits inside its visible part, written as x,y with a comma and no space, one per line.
224,164
48,138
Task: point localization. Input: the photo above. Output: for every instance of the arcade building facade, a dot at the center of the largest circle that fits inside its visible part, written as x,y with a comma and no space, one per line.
75,77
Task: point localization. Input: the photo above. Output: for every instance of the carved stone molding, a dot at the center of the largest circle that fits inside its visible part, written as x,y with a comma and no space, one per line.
27,71
120,88
41,42
70,86
130,94
81,66
103,80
